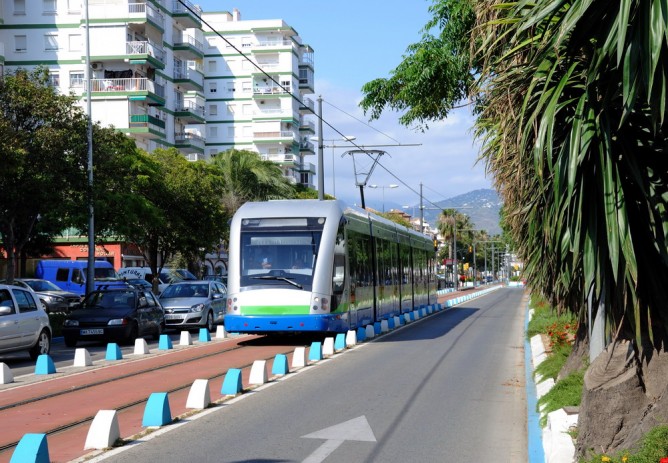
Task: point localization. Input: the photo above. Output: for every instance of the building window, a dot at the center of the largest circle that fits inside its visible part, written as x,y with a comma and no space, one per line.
213,110
231,132
213,152
247,109
74,42
231,108
213,87
246,86
51,42
213,131
230,87
212,66
49,6
19,7
247,131
20,44
73,6
246,42
76,78
211,42
54,79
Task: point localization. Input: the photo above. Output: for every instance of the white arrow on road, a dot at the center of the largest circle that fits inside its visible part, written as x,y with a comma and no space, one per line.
357,429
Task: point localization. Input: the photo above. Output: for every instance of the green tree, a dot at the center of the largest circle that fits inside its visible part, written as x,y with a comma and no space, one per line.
38,163
246,177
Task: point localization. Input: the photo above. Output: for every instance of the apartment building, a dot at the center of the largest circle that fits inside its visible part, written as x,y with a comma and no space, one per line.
257,74
162,77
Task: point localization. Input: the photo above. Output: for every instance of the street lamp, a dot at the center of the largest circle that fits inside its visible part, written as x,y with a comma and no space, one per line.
392,185
333,145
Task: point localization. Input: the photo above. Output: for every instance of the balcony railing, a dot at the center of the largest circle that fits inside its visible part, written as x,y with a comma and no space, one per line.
186,40
145,48
178,7
308,104
189,106
144,10
187,138
273,43
132,84
277,134
270,90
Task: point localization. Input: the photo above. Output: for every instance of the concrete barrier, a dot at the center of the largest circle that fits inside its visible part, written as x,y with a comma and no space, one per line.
141,347
384,326
328,347
165,342
157,412
221,333
376,328
315,352
44,365
258,374
351,338
199,396
82,358
280,366
340,342
361,334
103,431
232,382
204,335
370,332
299,357
113,352
408,317
6,376
186,339
32,448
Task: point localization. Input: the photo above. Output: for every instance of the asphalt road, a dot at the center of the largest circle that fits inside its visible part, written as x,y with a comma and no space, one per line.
448,388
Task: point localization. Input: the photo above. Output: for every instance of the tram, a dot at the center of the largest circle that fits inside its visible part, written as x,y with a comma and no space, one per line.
321,266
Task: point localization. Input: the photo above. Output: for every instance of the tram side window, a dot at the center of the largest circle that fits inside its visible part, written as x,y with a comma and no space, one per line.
359,253
338,274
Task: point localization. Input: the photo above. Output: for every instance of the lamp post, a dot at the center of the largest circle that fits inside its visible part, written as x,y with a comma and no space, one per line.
333,145
392,185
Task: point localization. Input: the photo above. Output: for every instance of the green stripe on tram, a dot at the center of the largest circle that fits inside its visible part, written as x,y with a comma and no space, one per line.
275,310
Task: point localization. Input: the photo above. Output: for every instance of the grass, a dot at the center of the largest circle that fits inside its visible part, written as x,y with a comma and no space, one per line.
551,366
565,392
652,448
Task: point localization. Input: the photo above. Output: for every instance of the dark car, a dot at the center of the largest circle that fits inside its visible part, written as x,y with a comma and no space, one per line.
120,315
53,298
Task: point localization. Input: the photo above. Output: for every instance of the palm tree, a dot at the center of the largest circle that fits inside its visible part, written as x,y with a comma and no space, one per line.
246,177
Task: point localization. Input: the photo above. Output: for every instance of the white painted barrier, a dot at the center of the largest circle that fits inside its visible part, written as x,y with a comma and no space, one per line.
199,396
221,333
103,431
6,376
299,357
370,332
82,358
384,326
407,317
258,374
141,346
351,338
186,339
328,347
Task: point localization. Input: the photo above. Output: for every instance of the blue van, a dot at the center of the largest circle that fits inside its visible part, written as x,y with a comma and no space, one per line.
70,275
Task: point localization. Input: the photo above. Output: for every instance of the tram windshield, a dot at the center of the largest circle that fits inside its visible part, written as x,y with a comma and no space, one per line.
279,256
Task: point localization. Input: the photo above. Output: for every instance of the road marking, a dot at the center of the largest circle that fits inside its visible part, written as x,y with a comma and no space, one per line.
357,429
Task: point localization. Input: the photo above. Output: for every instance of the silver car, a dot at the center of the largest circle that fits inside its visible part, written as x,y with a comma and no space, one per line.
194,304
24,325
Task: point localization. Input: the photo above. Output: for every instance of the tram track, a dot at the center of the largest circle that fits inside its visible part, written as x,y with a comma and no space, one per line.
88,397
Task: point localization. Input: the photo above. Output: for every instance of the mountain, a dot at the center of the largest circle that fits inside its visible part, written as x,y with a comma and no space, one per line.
482,206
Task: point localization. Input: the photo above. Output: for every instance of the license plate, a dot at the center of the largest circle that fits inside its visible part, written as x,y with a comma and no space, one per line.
173,317
90,332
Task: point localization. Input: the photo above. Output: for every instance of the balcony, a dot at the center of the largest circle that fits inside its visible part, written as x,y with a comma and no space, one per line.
134,88
283,159
136,13
189,112
145,53
266,90
189,142
188,47
306,79
267,68
193,157
306,147
264,45
306,127
188,15
147,126
307,107
280,136
188,77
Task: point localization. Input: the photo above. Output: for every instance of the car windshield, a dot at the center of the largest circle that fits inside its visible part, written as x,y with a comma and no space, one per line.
176,275
105,273
42,285
186,290
110,299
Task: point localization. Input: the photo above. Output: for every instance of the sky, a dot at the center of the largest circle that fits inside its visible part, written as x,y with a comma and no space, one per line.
355,42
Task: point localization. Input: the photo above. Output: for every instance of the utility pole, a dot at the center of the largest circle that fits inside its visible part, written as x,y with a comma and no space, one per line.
421,211
321,157
90,272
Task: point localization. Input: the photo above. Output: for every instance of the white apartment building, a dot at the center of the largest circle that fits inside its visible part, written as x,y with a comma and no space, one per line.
146,62
257,101
156,78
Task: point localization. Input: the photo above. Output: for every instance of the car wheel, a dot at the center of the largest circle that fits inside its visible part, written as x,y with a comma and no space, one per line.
158,332
70,342
42,346
209,322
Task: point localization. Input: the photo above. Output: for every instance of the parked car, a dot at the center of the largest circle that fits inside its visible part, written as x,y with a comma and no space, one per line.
167,275
114,314
53,298
24,325
194,304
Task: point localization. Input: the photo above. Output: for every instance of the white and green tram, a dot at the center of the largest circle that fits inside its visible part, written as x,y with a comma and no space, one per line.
321,266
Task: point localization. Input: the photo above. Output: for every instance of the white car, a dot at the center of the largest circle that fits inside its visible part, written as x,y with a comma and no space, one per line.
24,325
